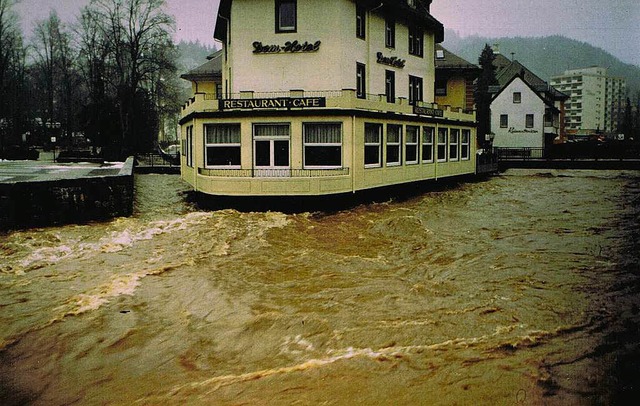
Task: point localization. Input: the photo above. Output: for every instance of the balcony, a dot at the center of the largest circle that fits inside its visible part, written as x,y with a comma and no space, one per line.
334,99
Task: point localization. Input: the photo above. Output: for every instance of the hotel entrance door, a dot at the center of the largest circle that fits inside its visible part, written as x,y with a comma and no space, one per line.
271,150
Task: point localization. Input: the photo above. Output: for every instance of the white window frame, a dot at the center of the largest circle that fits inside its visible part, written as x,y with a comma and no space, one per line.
377,144
208,145
465,145
412,140
306,144
442,143
396,144
454,144
428,136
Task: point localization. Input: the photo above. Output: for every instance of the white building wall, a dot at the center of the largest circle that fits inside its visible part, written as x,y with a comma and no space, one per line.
516,134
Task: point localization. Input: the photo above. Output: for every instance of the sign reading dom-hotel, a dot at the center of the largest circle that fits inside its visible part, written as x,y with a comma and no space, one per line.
276,103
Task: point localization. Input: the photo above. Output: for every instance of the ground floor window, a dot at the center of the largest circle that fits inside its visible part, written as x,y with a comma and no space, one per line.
271,145
394,144
454,142
443,134
465,145
372,145
322,145
529,121
411,147
222,145
187,146
427,144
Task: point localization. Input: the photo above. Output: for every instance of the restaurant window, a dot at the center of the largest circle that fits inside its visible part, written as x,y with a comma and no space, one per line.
187,146
390,86
361,84
322,145
286,16
454,140
529,121
361,21
443,134
415,90
517,97
427,144
372,145
222,145
465,145
416,47
411,147
390,33
394,144
504,120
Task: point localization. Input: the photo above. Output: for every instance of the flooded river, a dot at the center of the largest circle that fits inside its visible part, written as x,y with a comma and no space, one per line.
521,289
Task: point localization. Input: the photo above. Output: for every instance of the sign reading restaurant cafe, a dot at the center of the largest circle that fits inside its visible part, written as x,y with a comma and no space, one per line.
427,111
276,103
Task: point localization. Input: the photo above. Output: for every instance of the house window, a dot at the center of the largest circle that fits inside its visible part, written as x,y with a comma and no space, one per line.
517,97
411,147
415,89
361,18
465,145
443,134
390,33
187,146
441,87
286,16
454,141
529,121
394,144
271,146
322,145
372,145
504,120
222,145
427,144
416,47
440,54
218,91
361,76
390,86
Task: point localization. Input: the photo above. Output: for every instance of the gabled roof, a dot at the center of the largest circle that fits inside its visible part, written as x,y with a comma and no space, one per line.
538,93
453,61
507,70
210,70
399,8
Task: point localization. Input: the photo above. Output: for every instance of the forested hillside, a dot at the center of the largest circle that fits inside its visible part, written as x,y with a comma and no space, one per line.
547,56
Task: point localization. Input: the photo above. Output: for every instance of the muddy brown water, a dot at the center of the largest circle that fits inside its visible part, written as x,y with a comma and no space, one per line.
521,289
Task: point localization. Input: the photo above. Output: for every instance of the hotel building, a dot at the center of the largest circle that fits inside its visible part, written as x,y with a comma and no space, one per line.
322,98
597,100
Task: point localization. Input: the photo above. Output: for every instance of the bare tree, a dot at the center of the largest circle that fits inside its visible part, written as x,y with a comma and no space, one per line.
10,63
137,34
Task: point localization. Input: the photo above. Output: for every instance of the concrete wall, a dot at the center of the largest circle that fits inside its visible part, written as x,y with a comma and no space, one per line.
44,203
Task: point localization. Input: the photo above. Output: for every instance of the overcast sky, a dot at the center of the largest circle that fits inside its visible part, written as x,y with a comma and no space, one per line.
613,25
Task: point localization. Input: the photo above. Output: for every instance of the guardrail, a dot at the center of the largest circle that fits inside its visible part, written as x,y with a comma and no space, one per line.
572,151
273,173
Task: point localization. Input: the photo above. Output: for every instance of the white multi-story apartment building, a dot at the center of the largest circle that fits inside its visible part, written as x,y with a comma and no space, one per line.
322,98
596,101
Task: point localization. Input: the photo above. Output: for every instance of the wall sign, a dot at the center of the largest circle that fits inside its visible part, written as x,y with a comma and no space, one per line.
390,60
277,103
291,47
428,111
525,131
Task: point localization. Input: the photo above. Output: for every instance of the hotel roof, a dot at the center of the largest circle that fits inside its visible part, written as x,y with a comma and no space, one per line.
210,70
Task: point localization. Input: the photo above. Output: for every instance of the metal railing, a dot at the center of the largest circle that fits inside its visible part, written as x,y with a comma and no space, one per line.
273,173
154,160
573,151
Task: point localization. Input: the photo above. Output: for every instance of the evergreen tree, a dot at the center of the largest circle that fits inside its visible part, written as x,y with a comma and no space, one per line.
482,94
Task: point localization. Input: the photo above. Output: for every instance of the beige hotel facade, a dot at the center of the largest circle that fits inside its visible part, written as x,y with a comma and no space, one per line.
321,98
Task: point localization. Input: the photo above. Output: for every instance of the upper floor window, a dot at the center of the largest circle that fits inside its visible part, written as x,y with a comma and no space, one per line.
286,16
390,86
504,120
416,47
441,86
517,97
415,89
361,77
361,21
390,33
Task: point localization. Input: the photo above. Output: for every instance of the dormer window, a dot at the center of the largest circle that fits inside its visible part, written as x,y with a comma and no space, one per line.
286,16
440,54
